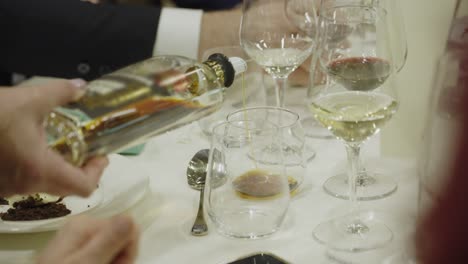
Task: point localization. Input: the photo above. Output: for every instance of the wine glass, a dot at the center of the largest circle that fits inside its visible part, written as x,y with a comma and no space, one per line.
271,40
247,192
354,107
303,14
371,185
299,13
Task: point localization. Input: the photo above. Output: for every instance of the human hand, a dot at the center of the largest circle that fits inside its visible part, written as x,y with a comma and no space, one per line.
27,164
92,241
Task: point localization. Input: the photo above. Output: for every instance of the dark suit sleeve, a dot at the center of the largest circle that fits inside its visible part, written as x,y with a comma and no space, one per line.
208,5
71,38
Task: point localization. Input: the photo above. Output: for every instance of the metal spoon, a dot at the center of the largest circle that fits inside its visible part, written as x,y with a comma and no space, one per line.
196,176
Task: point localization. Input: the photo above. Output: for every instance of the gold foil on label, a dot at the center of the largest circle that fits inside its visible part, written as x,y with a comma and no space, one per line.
217,69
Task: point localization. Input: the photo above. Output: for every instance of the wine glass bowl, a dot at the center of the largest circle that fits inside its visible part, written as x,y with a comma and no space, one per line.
271,40
362,60
303,14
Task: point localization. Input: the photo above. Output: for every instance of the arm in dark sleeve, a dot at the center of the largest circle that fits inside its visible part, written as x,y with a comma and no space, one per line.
208,4
71,38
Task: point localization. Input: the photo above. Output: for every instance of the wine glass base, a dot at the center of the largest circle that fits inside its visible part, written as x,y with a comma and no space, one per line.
357,233
372,186
400,258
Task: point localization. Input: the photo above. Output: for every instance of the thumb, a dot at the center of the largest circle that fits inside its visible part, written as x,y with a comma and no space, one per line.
109,241
56,93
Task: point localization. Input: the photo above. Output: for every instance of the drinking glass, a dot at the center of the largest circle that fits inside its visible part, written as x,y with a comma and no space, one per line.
303,14
389,28
246,192
245,91
271,40
354,107
292,136
319,79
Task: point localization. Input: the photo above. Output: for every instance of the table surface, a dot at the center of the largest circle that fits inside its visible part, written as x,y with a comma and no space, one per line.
166,239
166,213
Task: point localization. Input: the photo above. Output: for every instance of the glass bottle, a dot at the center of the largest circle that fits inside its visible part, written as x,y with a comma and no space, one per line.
126,107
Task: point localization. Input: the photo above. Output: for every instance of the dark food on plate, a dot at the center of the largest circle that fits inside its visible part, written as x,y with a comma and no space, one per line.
4,201
34,208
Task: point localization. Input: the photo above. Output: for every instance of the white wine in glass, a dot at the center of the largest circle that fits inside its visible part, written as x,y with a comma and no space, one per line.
354,116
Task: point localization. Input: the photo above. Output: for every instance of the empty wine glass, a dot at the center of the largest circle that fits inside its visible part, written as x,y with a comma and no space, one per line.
246,192
276,44
354,107
390,28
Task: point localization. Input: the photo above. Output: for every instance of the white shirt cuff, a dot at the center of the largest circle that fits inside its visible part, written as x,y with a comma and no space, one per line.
178,32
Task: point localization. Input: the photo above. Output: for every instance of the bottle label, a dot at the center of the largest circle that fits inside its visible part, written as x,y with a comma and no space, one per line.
114,91
105,87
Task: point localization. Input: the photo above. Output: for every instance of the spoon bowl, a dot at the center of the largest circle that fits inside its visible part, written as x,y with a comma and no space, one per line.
196,170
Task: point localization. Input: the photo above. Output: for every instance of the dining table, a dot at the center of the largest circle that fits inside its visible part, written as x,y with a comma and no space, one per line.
164,206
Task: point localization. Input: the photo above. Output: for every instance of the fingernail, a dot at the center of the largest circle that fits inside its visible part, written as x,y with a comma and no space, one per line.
123,224
78,83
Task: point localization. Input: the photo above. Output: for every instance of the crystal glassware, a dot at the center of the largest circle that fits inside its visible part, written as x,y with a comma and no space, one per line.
246,191
304,14
292,138
354,107
271,40
371,184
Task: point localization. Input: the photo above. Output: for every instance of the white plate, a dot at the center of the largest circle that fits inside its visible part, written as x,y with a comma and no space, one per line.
123,184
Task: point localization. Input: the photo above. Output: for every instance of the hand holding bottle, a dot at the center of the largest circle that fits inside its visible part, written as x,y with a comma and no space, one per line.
27,163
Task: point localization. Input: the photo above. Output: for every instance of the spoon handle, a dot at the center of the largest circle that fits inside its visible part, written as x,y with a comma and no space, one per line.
199,227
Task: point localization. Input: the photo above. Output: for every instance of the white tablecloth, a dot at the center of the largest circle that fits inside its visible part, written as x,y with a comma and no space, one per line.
166,212
166,221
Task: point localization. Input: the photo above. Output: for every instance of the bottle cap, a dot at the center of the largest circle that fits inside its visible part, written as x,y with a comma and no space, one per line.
227,72
238,64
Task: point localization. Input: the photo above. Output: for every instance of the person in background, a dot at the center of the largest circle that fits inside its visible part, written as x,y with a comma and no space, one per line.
442,234
74,38
86,39
27,165
206,5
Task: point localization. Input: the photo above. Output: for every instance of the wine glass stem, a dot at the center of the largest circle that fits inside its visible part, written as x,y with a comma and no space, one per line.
281,83
311,91
353,150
